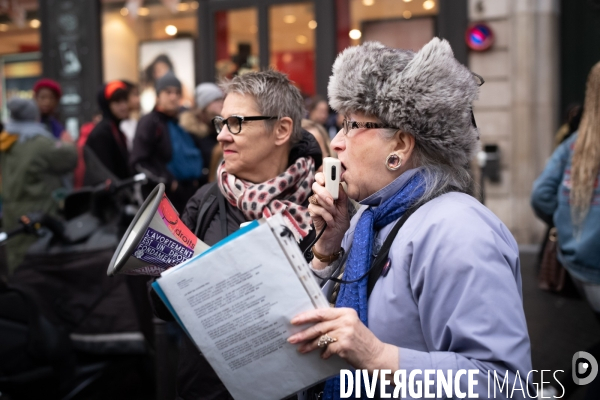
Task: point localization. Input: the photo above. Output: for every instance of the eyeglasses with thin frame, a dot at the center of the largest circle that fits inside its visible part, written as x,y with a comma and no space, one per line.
348,125
234,123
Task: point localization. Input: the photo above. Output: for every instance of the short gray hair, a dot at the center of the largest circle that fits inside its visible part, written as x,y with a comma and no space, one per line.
275,95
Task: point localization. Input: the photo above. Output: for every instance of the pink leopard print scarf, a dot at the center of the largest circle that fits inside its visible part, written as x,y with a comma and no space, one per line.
282,194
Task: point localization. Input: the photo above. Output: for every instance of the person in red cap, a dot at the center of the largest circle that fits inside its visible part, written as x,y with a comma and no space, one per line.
47,93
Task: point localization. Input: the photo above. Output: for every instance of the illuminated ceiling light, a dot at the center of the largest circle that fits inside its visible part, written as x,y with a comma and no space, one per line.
194,5
3,27
253,28
171,30
35,23
143,11
289,19
407,1
183,7
312,24
355,34
124,11
301,39
368,2
407,14
429,4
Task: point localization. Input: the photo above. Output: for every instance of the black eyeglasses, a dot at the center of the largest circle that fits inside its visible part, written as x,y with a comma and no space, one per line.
349,125
234,123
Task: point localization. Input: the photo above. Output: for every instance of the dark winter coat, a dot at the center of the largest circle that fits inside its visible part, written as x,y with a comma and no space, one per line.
31,172
196,380
110,147
152,151
108,142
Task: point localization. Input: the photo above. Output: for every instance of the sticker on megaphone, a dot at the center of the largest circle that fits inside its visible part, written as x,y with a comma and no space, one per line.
156,240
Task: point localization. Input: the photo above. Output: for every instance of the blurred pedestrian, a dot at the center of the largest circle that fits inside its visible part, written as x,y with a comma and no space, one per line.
321,135
34,164
106,140
318,110
84,134
570,124
568,194
47,94
165,150
129,124
269,166
208,104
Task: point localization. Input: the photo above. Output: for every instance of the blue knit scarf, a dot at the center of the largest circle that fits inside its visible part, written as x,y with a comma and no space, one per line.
354,295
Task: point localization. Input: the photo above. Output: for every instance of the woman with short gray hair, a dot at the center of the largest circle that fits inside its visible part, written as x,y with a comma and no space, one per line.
431,278
268,167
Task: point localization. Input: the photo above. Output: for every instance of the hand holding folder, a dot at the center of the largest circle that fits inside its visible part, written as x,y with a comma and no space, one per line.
236,300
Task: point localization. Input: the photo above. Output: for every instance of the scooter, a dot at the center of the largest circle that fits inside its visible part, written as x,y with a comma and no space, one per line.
67,331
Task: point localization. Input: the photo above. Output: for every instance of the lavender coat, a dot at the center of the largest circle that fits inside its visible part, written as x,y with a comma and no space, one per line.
452,298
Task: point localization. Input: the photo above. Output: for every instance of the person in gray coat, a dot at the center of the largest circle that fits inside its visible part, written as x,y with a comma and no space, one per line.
447,297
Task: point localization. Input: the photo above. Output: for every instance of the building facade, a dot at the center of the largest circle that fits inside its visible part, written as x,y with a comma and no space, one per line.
537,64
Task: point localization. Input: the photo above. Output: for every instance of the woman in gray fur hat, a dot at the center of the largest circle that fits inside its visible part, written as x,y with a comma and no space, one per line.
445,292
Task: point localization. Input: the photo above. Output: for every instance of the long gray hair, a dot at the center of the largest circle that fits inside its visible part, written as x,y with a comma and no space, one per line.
440,177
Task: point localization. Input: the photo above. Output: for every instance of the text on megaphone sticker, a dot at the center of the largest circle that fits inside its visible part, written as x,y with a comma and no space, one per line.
161,251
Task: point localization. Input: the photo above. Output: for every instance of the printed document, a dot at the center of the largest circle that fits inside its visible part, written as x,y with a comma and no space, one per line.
236,301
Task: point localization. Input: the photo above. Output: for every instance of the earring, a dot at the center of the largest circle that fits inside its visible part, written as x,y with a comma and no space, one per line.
393,162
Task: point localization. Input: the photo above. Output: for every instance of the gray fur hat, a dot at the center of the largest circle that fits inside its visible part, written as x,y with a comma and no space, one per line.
427,94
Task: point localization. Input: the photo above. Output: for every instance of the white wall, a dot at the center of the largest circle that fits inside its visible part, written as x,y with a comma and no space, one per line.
119,48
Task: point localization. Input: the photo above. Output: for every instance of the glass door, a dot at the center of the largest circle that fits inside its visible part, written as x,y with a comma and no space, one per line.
292,43
237,46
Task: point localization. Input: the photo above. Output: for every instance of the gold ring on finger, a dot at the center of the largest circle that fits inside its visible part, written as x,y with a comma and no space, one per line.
313,200
325,339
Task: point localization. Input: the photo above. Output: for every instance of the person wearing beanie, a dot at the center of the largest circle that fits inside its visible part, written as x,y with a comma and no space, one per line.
444,292
33,165
209,103
165,150
106,140
47,93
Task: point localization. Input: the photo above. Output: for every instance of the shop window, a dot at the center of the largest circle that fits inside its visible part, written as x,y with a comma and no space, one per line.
20,64
292,43
236,42
395,23
140,44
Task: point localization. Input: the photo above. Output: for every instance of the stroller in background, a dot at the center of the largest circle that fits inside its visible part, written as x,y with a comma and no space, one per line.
67,331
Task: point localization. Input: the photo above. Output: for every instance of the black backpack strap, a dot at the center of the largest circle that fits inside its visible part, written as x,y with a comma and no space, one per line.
382,255
207,211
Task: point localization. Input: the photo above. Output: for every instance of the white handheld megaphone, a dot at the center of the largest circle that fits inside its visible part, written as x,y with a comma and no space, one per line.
155,240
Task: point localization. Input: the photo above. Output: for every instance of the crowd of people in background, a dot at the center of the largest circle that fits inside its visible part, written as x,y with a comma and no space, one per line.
172,144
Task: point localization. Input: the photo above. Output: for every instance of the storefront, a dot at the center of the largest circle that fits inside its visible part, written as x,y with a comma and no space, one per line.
300,38
86,42
20,59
